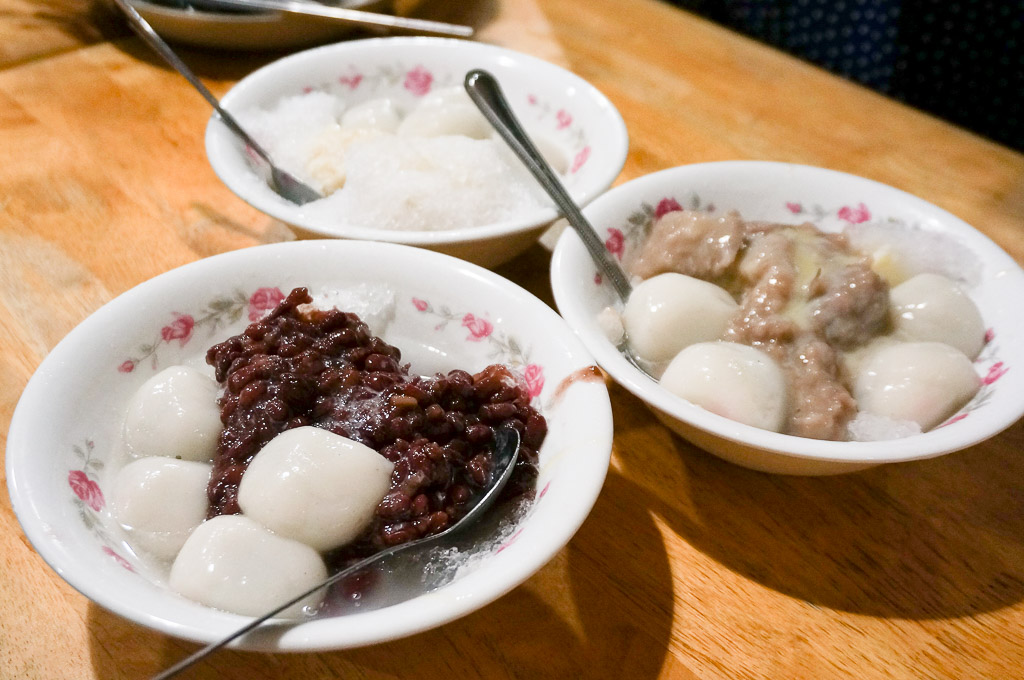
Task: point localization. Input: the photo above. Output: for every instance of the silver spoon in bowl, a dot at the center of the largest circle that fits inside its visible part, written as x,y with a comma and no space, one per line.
503,462
281,181
484,90
352,16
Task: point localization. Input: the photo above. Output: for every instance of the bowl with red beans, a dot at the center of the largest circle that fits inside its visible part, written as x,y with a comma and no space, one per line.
234,430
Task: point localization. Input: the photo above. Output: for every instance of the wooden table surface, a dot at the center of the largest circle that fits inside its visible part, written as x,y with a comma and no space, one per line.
688,567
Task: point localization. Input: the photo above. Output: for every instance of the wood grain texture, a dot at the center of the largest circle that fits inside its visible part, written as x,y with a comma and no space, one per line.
688,567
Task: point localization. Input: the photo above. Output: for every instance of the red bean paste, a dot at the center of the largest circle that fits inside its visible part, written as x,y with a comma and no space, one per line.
804,296
302,366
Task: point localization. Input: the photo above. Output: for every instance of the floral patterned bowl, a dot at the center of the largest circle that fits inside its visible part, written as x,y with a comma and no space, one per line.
570,111
63,447
831,200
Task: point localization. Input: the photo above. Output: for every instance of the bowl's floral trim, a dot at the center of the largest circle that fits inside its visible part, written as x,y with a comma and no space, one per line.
996,369
643,218
222,310
505,347
854,214
89,500
511,539
564,122
418,80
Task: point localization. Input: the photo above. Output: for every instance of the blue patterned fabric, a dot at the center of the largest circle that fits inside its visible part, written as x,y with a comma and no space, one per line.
959,60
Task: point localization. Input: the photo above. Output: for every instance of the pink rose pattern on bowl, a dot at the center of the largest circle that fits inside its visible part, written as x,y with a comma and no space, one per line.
640,221
89,500
218,312
506,349
420,81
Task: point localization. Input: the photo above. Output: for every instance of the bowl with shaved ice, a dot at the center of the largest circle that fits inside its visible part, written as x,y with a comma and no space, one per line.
799,320
216,440
384,130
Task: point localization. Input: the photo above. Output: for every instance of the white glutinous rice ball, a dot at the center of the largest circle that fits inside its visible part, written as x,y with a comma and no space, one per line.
174,414
925,382
377,114
159,501
671,311
446,112
733,380
233,563
315,486
933,308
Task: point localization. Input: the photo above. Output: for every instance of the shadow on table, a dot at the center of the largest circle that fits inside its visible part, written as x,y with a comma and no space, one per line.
929,539
574,618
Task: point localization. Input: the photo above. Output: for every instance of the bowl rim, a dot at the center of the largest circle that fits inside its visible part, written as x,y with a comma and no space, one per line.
935,442
461,597
219,143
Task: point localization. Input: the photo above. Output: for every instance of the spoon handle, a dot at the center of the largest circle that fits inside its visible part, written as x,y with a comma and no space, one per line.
354,16
506,453
485,92
191,660
146,32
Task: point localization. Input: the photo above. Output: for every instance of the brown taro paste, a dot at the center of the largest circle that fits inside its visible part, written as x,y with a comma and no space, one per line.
302,366
804,295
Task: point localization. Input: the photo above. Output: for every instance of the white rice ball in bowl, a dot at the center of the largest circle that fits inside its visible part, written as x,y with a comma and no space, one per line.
904,236
64,455
383,128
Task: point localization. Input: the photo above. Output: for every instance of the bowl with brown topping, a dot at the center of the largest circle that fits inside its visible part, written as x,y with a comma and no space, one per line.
800,320
236,429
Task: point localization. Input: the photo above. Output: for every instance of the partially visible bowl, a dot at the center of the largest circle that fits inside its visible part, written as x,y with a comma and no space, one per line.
787,193
62,449
181,23
570,111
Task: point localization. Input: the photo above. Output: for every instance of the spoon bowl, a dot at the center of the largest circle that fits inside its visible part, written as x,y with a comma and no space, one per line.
505,455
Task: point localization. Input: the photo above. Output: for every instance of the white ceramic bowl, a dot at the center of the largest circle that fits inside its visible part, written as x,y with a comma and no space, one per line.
793,194
61,450
566,109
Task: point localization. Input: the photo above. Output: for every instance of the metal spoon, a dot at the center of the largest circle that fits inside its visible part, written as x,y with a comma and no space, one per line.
504,457
284,183
486,93
353,16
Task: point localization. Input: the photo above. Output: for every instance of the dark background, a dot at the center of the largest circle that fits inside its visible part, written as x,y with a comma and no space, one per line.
961,61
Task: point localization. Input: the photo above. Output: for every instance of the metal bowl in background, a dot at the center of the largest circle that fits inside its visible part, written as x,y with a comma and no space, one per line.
178,22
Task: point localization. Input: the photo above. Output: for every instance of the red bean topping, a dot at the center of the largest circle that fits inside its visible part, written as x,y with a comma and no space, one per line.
404,402
479,468
325,368
420,505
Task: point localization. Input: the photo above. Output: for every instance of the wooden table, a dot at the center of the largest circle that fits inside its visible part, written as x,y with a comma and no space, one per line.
688,567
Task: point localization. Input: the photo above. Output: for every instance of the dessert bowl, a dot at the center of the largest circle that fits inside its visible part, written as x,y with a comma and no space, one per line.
573,116
831,200
63,447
